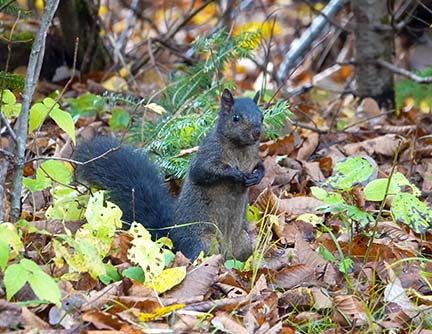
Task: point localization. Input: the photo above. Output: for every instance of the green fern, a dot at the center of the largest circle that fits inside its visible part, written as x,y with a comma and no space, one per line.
275,118
11,8
14,82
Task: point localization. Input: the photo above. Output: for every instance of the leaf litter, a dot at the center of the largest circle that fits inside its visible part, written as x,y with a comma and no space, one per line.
296,280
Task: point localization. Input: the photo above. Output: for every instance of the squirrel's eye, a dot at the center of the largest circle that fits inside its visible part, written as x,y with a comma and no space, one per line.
236,118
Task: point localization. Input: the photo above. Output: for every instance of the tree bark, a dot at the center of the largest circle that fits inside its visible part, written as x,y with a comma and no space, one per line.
374,40
79,19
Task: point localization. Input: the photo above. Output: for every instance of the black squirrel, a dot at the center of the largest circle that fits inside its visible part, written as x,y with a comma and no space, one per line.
213,198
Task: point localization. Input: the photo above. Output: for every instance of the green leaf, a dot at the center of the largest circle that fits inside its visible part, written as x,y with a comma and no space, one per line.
119,120
112,275
352,171
136,273
408,209
64,121
359,216
310,218
346,265
326,254
329,198
103,214
85,105
58,171
4,254
42,284
39,183
15,277
9,235
11,110
375,190
234,264
8,97
68,204
252,213
145,252
38,113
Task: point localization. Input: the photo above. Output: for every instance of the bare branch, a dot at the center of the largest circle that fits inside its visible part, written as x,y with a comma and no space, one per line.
294,55
21,126
401,71
6,153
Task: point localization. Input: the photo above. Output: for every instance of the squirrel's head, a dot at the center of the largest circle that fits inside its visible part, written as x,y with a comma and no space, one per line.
240,119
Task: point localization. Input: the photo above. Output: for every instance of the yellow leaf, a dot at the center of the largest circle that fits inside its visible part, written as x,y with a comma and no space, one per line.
167,279
424,107
124,71
409,102
265,28
39,5
115,84
119,26
156,108
160,312
149,255
207,15
103,10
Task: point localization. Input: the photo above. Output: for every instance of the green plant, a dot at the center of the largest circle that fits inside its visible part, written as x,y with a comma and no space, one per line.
10,7
405,207
14,82
418,92
49,107
8,104
21,270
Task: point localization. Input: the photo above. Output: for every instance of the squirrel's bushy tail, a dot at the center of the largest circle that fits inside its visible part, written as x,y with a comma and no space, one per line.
134,183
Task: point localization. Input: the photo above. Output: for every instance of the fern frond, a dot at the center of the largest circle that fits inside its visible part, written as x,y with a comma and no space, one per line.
275,118
11,8
14,82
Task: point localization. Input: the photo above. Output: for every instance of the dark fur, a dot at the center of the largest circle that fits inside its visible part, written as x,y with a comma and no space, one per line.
121,171
215,190
216,187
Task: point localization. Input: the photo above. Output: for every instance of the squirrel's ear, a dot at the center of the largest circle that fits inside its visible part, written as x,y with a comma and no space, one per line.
227,100
256,97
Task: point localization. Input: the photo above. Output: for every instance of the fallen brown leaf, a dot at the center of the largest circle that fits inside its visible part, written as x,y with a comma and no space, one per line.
349,309
224,322
198,280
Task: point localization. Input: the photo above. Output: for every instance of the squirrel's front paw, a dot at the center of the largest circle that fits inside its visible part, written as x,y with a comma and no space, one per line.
254,178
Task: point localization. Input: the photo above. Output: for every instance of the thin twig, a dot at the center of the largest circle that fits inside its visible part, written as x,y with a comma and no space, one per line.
401,71
72,161
21,126
6,153
169,36
8,126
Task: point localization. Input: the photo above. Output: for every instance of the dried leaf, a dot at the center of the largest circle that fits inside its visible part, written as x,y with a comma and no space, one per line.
198,281
349,309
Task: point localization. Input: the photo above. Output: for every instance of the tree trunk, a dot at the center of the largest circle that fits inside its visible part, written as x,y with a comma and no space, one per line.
78,18
374,40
